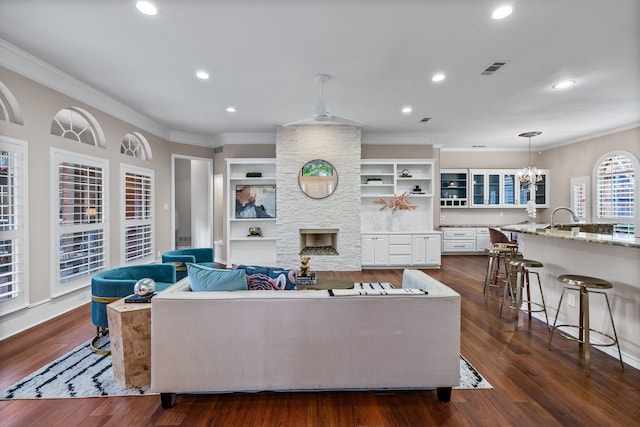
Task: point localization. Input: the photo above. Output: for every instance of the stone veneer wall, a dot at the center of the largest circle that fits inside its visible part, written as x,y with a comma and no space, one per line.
339,145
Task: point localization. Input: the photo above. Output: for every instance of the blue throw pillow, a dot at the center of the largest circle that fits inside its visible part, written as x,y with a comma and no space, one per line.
203,279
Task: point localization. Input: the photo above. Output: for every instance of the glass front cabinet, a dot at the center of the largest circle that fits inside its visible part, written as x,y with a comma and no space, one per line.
486,188
454,191
502,188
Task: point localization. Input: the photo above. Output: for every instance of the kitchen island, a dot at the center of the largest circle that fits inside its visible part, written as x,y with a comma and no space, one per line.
612,257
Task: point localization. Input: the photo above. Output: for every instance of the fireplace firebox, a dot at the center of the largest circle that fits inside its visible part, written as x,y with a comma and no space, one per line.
318,241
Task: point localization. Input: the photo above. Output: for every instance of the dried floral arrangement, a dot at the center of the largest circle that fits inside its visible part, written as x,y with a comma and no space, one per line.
397,203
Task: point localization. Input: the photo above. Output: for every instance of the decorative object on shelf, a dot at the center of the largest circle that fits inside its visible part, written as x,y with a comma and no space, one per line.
405,173
305,268
417,190
530,175
397,203
254,175
255,201
374,181
318,179
255,232
452,184
144,286
144,290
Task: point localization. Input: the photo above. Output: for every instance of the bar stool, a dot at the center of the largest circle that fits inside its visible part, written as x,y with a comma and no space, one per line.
585,285
520,268
496,253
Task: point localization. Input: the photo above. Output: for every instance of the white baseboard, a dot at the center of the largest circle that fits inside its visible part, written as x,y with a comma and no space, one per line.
42,311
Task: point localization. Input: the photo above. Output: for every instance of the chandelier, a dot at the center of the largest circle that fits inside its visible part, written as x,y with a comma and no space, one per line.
530,175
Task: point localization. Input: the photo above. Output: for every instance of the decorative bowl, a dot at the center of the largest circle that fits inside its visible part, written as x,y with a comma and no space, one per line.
255,231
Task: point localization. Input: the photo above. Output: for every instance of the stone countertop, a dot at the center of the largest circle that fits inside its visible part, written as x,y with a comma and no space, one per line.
616,239
468,226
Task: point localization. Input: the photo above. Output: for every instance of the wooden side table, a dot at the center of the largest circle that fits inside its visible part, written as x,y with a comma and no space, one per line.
130,331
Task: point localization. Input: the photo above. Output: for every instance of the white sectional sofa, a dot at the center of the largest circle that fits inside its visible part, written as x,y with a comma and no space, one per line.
305,340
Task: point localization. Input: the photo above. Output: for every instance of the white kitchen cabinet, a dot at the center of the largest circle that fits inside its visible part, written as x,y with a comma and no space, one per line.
501,188
453,188
486,188
458,239
483,239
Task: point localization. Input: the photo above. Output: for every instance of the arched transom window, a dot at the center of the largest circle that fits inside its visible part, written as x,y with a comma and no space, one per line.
135,145
78,125
9,108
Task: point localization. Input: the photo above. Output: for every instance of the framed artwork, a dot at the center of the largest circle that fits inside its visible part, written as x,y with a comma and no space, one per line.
255,201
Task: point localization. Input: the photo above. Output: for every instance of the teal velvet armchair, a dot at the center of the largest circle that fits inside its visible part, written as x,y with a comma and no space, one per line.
180,257
111,285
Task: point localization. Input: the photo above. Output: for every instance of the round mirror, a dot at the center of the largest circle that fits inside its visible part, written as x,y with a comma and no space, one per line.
318,179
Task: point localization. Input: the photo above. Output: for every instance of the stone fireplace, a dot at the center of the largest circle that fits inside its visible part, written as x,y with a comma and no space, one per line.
340,212
316,241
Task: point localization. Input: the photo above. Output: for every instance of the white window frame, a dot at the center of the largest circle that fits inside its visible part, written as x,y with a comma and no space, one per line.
636,170
581,207
134,144
20,234
61,156
148,220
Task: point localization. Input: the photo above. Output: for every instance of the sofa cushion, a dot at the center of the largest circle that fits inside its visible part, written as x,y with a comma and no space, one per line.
269,278
203,279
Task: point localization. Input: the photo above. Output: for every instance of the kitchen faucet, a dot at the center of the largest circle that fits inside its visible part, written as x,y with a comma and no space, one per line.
573,215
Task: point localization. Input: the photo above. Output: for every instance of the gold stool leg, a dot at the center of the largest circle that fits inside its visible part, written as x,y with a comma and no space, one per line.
584,302
614,330
100,332
555,321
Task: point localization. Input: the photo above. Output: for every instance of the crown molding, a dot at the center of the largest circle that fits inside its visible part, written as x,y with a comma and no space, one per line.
395,138
244,138
21,62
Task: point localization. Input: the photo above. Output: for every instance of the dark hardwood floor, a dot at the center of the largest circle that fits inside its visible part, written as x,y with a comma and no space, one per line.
532,385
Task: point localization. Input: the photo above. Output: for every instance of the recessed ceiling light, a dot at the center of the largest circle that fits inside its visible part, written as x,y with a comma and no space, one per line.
231,109
564,84
437,77
202,75
502,12
147,8
406,110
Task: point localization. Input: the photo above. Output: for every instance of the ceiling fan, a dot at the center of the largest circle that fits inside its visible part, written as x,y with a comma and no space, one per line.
321,114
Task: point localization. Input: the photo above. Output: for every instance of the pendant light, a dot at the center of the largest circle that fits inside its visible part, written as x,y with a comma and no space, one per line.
529,175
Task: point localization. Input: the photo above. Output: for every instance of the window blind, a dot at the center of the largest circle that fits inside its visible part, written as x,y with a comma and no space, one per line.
12,227
615,188
138,215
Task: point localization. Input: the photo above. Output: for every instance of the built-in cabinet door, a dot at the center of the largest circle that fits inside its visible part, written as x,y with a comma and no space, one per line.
510,189
486,188
375,250
483,239
426,250
539,194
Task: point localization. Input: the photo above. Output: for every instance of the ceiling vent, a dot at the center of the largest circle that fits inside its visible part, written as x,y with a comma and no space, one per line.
425,119
492,68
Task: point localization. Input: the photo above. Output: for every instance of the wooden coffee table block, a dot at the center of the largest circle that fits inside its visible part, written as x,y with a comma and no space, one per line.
130,332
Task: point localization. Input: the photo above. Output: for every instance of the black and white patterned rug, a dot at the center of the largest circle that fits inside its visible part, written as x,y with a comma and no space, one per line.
82,373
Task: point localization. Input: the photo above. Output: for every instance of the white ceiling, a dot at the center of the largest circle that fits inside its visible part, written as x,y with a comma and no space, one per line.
263,55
